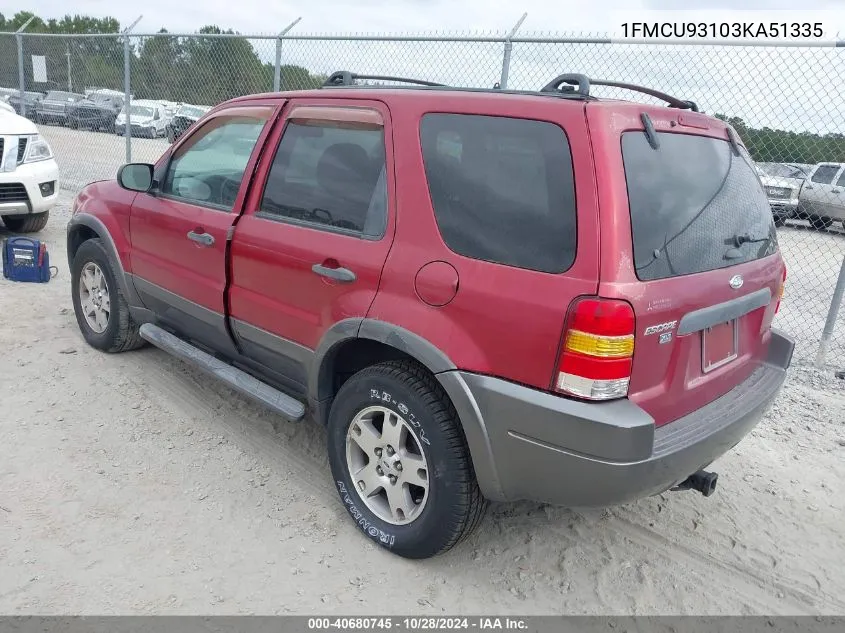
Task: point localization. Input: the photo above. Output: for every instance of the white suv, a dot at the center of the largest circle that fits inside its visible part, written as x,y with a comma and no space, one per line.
29,175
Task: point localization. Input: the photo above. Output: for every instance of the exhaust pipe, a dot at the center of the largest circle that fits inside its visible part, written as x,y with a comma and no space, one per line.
702,481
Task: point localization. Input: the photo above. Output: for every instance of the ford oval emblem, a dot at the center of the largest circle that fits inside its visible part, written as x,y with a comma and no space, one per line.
736,282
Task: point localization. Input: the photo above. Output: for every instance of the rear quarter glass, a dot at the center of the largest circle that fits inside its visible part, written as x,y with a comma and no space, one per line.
502,189
695,205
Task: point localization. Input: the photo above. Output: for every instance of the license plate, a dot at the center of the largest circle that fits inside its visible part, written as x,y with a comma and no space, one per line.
719,346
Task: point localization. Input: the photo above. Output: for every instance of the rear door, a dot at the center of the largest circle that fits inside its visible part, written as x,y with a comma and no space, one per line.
818,198
310,247
690,243
179,231
838,201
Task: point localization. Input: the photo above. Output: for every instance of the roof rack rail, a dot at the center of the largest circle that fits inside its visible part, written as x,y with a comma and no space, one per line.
346,78
567,83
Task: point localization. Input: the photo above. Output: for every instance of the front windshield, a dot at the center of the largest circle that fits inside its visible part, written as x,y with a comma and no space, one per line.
191,111
142,111
779,170
62,96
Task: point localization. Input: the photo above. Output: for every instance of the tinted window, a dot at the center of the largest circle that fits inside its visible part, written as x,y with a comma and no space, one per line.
841,181
692,200
331,176
824,174
209,167
502,189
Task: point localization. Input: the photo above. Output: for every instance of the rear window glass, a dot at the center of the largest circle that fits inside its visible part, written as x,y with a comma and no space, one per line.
695,205
502,189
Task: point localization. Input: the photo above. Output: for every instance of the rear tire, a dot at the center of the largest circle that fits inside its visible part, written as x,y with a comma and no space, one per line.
779,221
820,223
426,435
120,333
26,223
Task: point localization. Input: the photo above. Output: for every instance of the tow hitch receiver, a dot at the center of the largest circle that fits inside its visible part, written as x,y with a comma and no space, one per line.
702,481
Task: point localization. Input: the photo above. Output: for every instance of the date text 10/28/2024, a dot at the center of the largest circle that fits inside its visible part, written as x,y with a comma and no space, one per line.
416,624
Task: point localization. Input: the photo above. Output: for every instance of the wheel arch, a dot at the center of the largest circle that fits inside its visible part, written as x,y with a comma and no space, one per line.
83,227
353,344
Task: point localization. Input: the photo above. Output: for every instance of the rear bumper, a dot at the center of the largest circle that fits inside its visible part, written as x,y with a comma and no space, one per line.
527,444
786,209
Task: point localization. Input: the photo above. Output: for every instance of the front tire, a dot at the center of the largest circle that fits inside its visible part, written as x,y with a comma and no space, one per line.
820,223
400,461
101,309
26,223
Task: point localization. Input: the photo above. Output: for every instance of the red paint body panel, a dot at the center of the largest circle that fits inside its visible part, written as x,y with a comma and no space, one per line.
163,255
272,284
503,321
110,203
667,380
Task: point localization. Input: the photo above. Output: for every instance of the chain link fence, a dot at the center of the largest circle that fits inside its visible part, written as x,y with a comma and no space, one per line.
785,101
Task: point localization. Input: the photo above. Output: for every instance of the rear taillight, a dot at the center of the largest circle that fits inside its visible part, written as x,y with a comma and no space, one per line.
781,290
598,348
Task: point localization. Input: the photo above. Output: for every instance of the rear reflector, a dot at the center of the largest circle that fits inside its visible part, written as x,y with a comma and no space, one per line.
598,349
781,290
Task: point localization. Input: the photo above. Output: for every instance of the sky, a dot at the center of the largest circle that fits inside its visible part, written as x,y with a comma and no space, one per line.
784,88
259,16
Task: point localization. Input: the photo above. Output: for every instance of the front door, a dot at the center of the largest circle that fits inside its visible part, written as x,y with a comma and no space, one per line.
179,230
309,249
818,194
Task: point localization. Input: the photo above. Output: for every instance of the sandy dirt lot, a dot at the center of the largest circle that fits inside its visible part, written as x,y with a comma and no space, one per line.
132,484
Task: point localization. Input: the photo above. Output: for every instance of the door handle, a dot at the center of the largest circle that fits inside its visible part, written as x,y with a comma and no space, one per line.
203,239
836,191
808,186
337,274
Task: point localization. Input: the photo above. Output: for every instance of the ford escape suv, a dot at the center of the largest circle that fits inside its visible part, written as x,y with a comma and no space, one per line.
483,294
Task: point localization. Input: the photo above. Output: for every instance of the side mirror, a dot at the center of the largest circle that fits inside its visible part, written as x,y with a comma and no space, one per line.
136,177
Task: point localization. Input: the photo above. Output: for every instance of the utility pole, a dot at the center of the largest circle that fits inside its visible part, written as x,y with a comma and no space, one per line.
21,81
69,82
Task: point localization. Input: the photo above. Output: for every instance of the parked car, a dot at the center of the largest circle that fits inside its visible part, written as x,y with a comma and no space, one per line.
822,199
782,184
575,306
184,118
30,101
147,118
29,176
98,111
54,107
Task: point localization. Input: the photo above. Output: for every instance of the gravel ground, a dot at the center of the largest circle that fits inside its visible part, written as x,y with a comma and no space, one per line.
133,484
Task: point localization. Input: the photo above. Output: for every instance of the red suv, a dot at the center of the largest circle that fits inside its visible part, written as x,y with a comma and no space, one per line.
484,294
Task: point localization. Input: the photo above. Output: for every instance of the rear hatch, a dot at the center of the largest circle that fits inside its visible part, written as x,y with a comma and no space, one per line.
688,240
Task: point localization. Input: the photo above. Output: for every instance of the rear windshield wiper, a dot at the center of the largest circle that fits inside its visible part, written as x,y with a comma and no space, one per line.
745,238
738,240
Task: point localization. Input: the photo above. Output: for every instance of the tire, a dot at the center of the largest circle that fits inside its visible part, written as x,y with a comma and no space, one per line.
171,137
779,221
26,223
453,506
121,333
820,223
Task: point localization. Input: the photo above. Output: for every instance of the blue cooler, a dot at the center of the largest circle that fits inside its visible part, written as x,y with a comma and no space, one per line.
26,260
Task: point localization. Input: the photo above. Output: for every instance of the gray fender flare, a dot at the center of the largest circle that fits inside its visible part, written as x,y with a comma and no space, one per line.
96,225
438,363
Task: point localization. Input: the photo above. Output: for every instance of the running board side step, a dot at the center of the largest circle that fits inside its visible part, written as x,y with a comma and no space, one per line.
238,380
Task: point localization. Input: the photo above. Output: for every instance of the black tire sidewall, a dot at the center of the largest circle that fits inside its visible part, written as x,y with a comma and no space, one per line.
93,251
432,531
